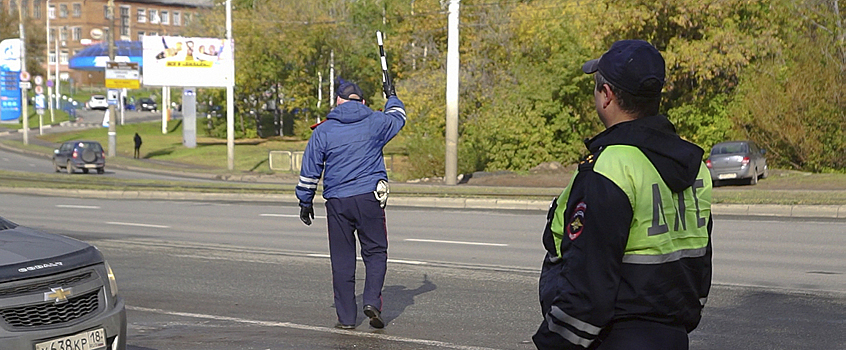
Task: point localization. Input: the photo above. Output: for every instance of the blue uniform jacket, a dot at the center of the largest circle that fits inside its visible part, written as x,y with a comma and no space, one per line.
347,149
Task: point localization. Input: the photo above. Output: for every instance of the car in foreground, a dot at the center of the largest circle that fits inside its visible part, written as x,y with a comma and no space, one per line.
80,154
146,104
97,102
56,293
737,161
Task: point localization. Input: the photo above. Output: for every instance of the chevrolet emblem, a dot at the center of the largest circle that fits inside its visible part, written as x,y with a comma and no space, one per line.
60,295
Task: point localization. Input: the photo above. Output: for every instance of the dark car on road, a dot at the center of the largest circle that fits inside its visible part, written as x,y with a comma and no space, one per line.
56,293
84,155
146,104
737,161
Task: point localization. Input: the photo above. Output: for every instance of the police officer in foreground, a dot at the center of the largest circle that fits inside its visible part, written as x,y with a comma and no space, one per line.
628,262
346,148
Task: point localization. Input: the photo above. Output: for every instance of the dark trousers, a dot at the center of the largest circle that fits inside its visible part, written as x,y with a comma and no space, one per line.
643,335
345,216
137,151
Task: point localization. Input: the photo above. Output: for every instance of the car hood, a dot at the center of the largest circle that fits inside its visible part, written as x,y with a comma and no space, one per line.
27,253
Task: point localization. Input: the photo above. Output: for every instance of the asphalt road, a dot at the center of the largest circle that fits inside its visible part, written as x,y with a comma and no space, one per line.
200,275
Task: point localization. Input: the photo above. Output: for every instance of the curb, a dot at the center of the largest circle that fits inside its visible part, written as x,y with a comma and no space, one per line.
765,210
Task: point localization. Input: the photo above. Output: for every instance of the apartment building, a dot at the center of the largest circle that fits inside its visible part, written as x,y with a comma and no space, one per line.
76,24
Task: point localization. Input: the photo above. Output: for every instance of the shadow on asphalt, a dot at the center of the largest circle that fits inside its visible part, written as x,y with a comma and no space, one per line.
398,298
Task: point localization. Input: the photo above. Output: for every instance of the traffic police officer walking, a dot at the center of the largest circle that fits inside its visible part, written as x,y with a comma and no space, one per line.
628,262
347,150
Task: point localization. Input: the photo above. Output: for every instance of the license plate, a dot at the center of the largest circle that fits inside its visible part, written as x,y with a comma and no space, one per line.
726,176
89,340
90,165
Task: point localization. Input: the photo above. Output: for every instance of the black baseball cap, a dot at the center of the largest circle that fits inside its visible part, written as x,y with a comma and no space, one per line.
347,89
634,66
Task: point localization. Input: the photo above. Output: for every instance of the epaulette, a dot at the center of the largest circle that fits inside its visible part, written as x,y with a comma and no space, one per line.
589,160
317,124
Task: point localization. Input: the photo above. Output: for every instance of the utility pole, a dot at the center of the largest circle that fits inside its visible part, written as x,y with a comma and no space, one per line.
451,157
332,78
230,95
24,102
49,86
112,114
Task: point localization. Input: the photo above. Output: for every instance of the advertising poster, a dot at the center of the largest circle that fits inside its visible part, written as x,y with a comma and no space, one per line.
179,61
10,70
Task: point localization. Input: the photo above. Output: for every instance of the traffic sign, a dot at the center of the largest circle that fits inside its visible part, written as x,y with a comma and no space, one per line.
38,80
112,97
26,85
49,83
39,90
39,102
122,75
25,76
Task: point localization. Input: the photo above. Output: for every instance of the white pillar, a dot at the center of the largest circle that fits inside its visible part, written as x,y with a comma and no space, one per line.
230,95
164,109
451,156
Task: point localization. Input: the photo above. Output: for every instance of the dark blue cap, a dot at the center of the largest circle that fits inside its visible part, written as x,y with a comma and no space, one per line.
347,89
634,66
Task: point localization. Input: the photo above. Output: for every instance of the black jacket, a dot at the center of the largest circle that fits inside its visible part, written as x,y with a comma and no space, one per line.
586,282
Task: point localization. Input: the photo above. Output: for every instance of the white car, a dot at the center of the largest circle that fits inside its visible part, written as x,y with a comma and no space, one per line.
97,102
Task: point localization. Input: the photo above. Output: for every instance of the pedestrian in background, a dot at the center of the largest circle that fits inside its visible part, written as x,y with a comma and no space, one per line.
628,263
137,145
346,148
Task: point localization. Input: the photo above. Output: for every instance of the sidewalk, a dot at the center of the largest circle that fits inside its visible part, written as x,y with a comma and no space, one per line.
402,194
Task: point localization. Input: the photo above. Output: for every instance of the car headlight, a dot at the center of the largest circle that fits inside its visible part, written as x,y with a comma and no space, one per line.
112,282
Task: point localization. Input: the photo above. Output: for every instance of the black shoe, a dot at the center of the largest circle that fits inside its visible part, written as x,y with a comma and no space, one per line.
375,316
344,326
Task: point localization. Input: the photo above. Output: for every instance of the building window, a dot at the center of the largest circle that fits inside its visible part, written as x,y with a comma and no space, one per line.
153,34
124,20
165,17
154,16
106,11
176,19
63,57
25,7
52,36
77,10
37,8
141,16
77,33
63,11
63,35
140,36
52,57
51,12
13,6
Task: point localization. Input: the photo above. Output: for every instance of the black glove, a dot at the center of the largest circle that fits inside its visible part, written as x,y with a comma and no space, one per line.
388,89
306,214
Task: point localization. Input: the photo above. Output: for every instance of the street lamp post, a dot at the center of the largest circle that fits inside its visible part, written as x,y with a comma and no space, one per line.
112,119
24,111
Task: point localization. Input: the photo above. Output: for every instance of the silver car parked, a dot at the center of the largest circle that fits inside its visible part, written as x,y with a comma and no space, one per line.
737,161
56,293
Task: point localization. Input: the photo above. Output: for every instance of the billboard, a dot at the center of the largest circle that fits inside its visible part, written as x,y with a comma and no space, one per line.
192,62
10,70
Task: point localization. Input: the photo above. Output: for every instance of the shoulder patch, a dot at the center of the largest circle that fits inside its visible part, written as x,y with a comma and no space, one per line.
577,221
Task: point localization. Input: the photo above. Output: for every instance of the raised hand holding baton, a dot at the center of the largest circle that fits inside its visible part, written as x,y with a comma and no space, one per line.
387,85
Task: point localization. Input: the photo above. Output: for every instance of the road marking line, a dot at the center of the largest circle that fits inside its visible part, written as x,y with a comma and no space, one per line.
397,261
289,216
360,334
456,242
77,206
134,224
